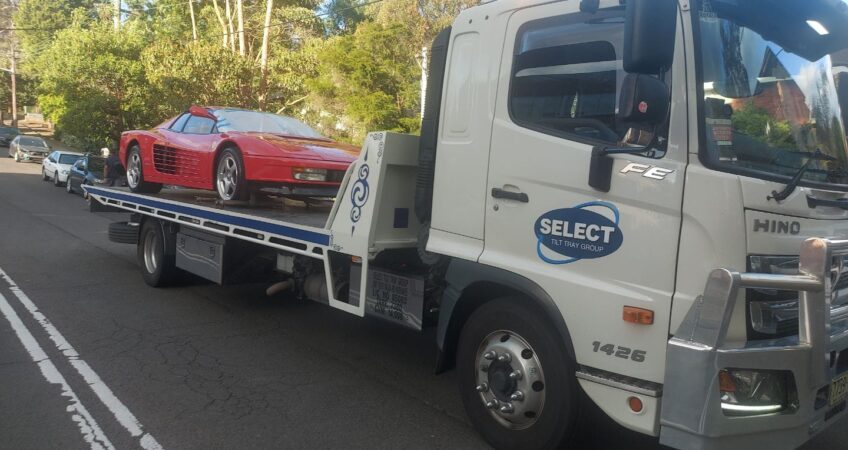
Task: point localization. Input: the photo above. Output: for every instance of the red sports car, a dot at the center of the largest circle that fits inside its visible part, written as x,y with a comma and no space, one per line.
233,151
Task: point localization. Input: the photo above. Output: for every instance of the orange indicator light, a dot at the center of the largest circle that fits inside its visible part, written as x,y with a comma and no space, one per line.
639,316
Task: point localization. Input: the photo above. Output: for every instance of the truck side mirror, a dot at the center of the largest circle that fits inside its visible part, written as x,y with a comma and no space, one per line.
644,102
649,32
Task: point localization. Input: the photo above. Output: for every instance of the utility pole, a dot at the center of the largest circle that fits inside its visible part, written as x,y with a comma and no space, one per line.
14,87
240,12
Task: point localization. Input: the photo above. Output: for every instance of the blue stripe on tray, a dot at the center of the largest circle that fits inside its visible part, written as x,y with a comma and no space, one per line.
236,221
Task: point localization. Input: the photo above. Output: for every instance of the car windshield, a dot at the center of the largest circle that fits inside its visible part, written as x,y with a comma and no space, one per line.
32,141
9,131
68,158
253,121
773,103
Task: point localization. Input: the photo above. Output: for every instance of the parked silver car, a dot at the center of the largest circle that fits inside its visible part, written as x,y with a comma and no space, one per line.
28,148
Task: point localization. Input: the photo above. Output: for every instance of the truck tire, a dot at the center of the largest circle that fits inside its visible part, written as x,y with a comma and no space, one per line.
135,175
123,232
516,379
156,254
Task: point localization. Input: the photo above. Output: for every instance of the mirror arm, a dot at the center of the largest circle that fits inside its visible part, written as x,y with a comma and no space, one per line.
600,165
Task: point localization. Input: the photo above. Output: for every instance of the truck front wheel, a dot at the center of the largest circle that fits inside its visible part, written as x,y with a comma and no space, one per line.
516,378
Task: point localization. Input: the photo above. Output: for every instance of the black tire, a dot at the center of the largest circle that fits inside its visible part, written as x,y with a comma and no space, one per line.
44,176
235,186
135,175
69,188
158,267
123,232
554,424
56,181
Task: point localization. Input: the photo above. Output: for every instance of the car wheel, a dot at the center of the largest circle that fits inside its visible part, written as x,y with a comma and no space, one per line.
44,176
68,186
516,379
17,157
135,176
56,181
156,254
229,176
84,192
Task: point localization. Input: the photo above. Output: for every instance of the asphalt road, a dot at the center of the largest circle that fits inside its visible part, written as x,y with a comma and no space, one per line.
90,357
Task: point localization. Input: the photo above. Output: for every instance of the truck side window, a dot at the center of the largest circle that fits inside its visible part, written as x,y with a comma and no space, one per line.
566,76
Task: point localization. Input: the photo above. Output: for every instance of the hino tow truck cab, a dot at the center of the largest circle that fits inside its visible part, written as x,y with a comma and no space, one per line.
638,203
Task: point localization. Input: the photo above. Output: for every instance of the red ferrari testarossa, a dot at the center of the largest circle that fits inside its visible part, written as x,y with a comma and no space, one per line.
233,151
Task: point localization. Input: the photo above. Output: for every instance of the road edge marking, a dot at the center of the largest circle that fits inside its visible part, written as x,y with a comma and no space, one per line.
88,427
121,413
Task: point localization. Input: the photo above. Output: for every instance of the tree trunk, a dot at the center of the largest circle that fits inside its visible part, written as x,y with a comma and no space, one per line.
193,23
222,23
240,12
229,12
263,84
117,13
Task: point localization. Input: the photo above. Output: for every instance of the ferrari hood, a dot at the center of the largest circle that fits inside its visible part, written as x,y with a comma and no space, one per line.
311,149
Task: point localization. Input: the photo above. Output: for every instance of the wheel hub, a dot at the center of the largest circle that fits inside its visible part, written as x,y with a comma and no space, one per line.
510,380
134,170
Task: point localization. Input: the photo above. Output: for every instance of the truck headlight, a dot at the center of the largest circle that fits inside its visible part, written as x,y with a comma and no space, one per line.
747,392
772,313
309,174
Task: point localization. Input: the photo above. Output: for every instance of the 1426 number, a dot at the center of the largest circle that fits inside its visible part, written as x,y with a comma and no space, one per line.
620,352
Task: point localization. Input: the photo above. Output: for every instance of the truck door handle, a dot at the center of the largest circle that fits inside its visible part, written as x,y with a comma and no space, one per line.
509,195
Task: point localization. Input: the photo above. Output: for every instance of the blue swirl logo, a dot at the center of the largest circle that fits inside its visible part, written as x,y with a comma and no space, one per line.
359,194
578,233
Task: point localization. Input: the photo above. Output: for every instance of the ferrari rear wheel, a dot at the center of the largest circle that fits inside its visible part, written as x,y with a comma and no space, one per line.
229,176
135,176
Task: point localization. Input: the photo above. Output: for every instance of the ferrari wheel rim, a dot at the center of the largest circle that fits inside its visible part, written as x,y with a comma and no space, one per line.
134,170
227,177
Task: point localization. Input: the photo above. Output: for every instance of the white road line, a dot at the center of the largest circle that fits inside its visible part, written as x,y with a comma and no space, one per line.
119,410
89,429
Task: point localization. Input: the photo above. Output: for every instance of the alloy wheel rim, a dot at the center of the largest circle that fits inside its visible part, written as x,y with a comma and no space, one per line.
134,170
227,177
510,380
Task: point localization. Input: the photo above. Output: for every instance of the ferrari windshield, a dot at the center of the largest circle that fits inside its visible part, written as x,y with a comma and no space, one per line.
261,122
775,76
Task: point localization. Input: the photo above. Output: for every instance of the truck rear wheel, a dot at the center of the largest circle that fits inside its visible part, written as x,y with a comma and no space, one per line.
156,254
516,378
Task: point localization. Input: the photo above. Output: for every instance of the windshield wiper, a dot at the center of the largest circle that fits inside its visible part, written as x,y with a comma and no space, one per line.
793,183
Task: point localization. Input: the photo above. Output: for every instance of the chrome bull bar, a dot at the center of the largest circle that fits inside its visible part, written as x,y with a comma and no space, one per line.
691,415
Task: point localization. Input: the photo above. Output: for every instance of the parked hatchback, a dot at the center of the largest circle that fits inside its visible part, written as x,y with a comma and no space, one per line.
7,134
86,171
57,166
28,148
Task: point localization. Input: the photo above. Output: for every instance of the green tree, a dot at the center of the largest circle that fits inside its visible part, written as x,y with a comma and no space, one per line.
92,83
41,20
366,82
758,124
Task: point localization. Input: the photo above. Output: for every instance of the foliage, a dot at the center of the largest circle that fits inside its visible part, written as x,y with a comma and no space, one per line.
93,85
345,66
758,124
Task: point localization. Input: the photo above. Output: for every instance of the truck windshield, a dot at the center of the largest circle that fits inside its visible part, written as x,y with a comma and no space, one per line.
775,76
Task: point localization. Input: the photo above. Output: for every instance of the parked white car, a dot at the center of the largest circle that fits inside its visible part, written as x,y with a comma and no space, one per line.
57,165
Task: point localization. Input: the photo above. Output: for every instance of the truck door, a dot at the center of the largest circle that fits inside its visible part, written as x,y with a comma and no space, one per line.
593,252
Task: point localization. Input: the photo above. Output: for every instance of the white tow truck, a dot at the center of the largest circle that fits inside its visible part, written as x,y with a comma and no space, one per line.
642,201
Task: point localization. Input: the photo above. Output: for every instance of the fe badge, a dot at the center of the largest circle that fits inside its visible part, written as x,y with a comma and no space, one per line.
586,231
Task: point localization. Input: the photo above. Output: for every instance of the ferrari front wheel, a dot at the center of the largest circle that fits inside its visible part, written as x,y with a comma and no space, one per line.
135,176
229,176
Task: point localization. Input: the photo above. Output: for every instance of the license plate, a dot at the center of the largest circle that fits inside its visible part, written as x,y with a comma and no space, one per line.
838,389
